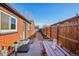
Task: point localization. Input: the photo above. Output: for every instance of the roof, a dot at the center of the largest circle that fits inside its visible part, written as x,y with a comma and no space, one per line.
10,8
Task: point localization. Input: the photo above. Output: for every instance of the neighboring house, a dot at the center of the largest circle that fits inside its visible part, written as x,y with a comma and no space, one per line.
13,26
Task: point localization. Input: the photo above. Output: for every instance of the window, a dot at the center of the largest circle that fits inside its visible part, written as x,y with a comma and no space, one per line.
4,21
8,23
13,23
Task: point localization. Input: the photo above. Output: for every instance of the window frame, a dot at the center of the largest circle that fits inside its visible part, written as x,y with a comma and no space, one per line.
9,30
15,23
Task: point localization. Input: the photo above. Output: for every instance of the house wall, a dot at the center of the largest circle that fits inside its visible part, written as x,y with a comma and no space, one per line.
9,39
28,34
33,30
30,31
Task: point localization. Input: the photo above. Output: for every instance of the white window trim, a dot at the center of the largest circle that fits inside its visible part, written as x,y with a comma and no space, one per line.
10,30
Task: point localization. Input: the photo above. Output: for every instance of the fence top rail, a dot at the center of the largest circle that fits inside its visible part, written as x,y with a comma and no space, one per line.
77,16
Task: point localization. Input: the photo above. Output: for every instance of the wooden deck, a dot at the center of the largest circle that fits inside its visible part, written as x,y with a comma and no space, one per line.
58,51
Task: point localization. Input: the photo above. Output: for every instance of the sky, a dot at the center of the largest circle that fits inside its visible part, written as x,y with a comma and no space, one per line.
47,13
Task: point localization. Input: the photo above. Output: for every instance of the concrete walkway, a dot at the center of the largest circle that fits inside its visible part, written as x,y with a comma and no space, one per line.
35,50
35,47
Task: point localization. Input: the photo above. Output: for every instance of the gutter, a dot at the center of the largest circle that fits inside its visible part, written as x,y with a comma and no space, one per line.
10,8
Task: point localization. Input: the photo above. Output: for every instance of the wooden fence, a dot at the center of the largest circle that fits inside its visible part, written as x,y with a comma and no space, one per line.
66,33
